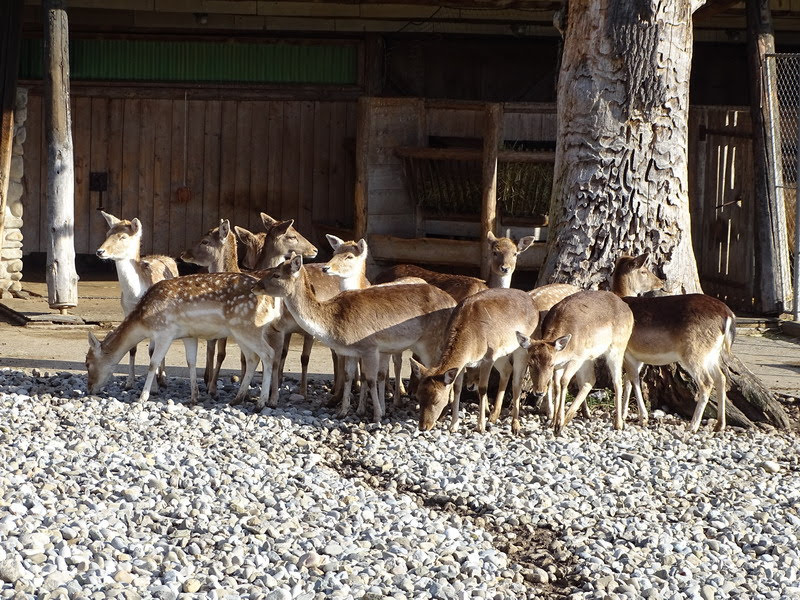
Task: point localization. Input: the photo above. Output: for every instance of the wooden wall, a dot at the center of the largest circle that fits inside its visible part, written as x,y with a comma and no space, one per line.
288,158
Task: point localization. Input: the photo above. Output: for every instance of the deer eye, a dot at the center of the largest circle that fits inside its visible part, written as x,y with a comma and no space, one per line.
204,243
293,238
123,236
349,257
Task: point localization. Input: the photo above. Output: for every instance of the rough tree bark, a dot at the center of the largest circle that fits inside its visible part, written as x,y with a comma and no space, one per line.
62,279
621,180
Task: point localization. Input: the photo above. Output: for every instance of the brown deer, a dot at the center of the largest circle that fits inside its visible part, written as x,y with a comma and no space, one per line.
208,306
578,330
253,244
504,253
480,332
363,323
136,274
690,329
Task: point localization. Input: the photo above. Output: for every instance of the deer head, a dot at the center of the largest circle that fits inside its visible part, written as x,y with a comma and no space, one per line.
213,249
98,369
281,242
504,253
632,278
348,259
433,393
122,240
542,358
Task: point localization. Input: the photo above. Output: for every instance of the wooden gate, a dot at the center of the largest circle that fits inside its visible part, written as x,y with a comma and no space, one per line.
723,203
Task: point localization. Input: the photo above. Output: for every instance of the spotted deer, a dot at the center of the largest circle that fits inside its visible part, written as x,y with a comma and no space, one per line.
578,330
136,274
363,323
690,329
481,331
504,253
205,306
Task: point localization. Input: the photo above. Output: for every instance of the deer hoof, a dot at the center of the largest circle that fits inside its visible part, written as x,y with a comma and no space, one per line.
643,422
515,428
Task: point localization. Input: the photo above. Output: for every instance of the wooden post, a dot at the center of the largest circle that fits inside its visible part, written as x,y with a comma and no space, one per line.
772,250
62,279
11,24
492,138
362,155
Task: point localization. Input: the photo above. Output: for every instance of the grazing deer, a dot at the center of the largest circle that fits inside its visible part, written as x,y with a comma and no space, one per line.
576,331
208,306
690,329
504,253
217,252
135,273
363,323
480,332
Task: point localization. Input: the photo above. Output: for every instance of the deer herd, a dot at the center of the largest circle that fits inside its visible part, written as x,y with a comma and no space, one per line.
458,328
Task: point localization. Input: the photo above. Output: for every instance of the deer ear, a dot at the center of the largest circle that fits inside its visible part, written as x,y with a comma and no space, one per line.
450,375
245,235
94,343
525,243
417,369
562,342
490,237
523,340
224,228
282,227
640,260
296,263
137,225
334,241
267,220
110,219
362,247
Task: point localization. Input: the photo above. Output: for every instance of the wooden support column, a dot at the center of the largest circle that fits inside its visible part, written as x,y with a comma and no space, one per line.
362,155
10,29
492,138
772,250
62,279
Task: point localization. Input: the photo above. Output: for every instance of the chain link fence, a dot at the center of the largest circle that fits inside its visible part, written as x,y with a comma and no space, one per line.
783,84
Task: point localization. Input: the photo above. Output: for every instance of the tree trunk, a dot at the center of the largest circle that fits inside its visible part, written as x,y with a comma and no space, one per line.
62,279
621,180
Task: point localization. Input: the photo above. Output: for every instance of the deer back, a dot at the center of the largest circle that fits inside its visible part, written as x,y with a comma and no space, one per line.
458,286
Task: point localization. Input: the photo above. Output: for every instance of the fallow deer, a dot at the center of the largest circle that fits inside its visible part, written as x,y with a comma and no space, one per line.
136,274
504,253
480,332
207,306
363,323
576,331
690,329
253,244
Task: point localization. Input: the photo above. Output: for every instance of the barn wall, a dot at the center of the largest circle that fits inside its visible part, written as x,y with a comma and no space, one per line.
288,158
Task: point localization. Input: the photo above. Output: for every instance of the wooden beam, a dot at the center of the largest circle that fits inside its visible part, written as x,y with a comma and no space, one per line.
360,208
10,30
475,154
772,250
62,279
492,138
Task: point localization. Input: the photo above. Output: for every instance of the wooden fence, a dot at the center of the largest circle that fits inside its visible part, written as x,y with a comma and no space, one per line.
288,158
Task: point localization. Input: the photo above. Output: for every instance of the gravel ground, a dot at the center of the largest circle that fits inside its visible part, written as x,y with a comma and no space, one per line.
104,497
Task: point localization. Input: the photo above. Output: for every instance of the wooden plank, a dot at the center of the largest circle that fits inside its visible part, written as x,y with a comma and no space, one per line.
227,175
147,134
194,210
492,137
274,163
290,198
82,135
162,189
33,170
113,198
130,159
306,187
338,126
259,143
473,154
322,149
211,165
348,152
444,252
177,209
241,208
98,156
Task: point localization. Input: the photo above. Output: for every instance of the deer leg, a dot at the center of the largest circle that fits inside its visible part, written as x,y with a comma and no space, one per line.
370,365
555,384
614,362
208,372
308,343
161,373
504,367
222,350
361,410
383,376
721,384
586,380
565,375
704,383
518,363
131,369
267,355
287,338
399,389
633,381
190,349
456,404
349,373
338,379
250,361
483,388
275,341
160,349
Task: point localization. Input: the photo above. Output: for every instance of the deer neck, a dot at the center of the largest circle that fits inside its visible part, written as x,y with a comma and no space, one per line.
117,343
131,281
357,281
228,259
496,280
311,314
621,288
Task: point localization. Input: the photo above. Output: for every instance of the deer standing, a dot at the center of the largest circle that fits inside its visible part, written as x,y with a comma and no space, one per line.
208,306
690,329
363,323
136,274
576,331
480,332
